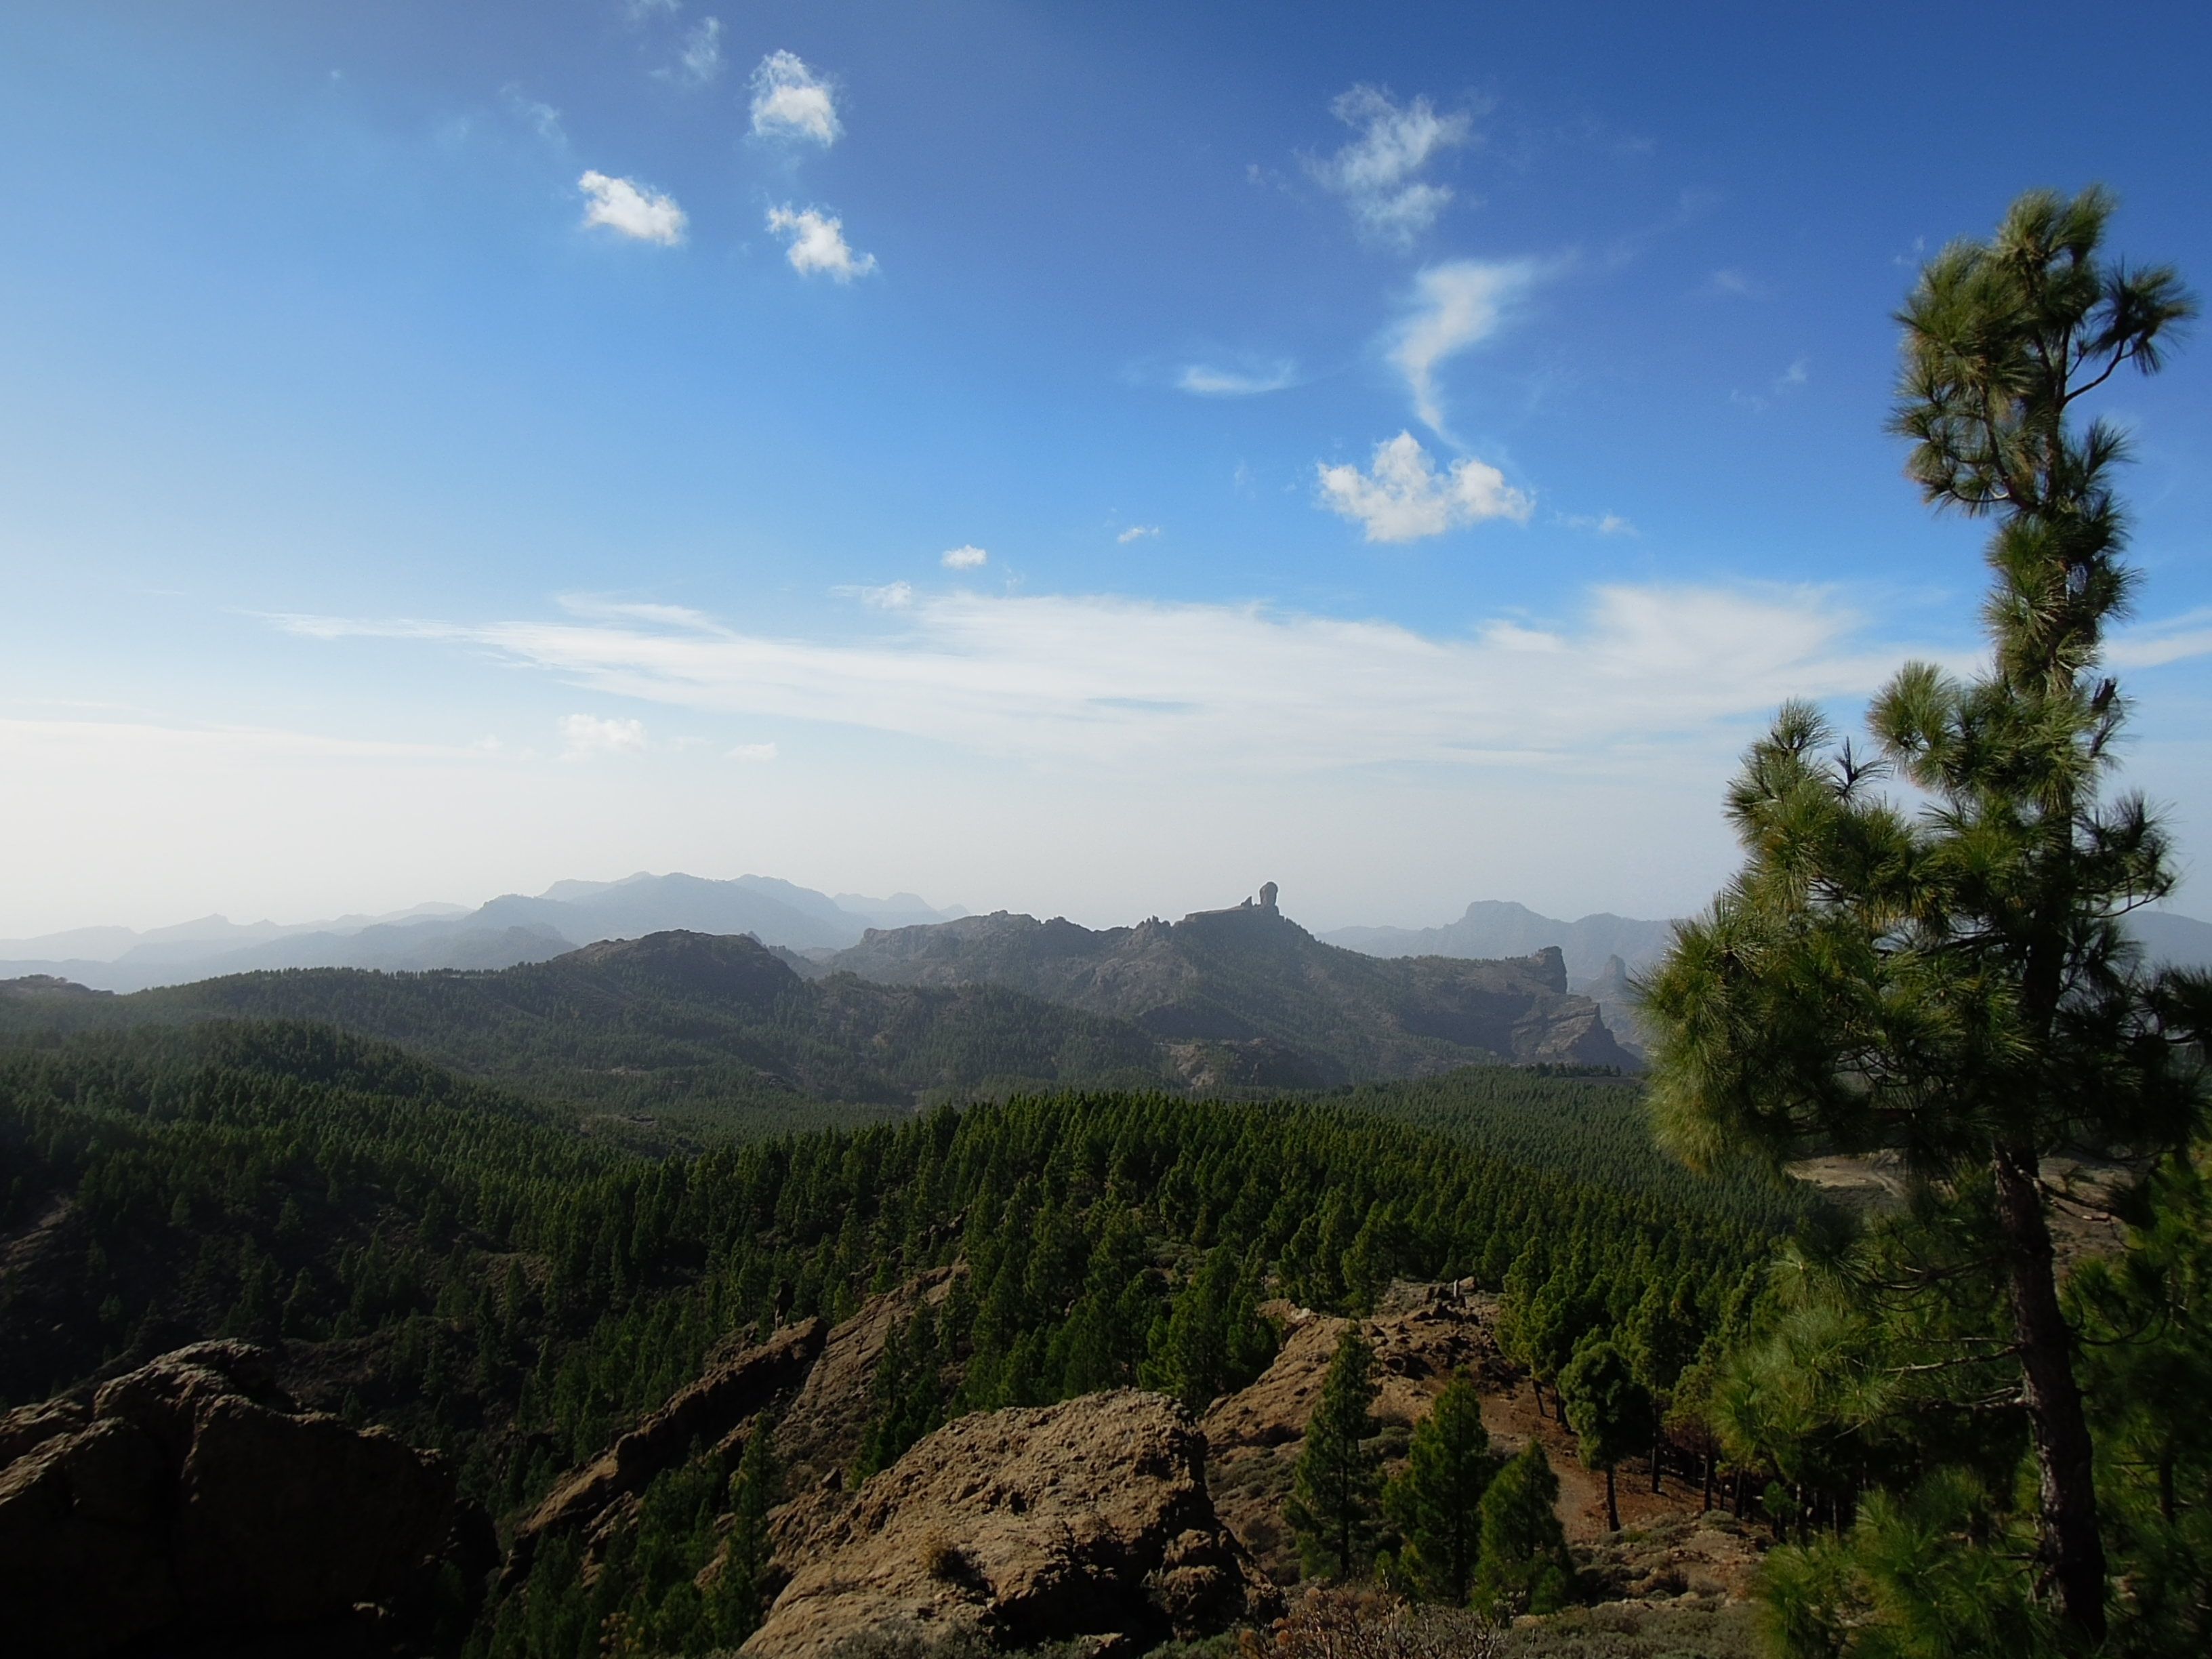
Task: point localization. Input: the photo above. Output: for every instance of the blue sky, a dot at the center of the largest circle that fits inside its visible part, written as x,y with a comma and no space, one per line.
1082,459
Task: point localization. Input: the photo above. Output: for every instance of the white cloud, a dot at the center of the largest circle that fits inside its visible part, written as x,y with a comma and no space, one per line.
1797,374
2155,644
891,596
1205,380
1375,172
1730,281
700,60
964,558
587,736
1604,524
1456,305
790,101
632,208
639,10
1637,675
1137,532
668,616
753,751
1402,497
817,244
541,117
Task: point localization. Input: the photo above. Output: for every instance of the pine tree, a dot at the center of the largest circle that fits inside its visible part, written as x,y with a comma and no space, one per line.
1333,1494
1525,1566
734,1606
1955,983
1212,1336
1437,1502
1609,1409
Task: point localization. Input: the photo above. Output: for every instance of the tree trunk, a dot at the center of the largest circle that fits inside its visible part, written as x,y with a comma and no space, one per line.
2072,1551
1537,1383
1657,1441
1612,1502
1709,1481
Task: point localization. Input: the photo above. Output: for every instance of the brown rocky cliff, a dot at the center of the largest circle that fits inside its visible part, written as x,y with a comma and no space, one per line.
711,1412
820,1433
1086,1519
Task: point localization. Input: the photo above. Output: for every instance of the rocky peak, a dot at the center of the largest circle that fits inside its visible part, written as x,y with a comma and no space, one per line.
1088,1520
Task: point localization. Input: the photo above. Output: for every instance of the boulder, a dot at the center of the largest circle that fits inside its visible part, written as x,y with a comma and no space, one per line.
1085,1520
192,1498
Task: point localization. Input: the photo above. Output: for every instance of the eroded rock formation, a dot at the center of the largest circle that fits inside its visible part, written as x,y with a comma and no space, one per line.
712,1413
1090,1518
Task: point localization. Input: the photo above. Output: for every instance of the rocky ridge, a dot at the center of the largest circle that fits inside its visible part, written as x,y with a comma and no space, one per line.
1246,994
1087,1519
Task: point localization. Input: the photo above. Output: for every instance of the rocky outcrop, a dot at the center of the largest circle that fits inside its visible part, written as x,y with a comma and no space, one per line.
820,1433
711,1412
1088,1519
1422,1336
189,1497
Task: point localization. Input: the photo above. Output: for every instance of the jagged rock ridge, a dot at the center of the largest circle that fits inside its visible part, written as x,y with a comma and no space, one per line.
1250,977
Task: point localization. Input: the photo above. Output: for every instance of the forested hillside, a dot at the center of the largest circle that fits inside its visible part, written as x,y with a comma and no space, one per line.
458,1264
684,1037
703,1037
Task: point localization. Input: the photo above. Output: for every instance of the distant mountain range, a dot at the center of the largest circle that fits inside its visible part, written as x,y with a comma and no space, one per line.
814,930
1491,928
1222,1002
1252,979
512,929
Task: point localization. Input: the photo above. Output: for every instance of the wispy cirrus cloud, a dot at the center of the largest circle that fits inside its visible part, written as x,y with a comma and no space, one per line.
1207,381
540,117
1378,173
1781,385
1402,497
1601,524
1454,307
631,210
2154,644
699,62
1100,680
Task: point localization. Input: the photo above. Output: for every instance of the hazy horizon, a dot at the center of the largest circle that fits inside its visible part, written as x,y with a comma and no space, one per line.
1085,460
1451,912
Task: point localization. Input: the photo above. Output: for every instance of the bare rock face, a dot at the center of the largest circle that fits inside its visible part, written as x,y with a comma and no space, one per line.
822,1431
713,1411
1090,1518
191,1497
